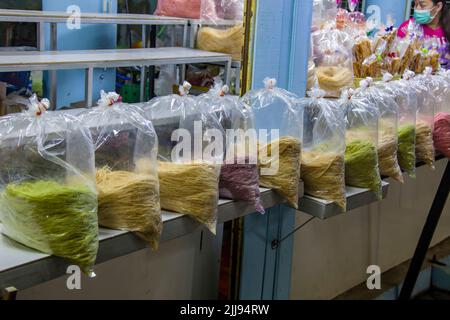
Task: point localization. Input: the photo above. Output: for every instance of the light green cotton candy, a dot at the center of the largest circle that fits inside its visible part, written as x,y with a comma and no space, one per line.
55,218
361,166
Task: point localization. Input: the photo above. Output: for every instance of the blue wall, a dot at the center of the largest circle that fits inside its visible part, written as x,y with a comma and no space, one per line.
71,82
281,50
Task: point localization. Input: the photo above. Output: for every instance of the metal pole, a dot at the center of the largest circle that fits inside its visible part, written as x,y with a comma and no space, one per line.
89,84
40,36
143,69
427,235
185,34
143,82
227,72
53,74
152,69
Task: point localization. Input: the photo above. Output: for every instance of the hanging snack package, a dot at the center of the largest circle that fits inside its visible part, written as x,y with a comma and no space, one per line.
425,119
48,199
239,175
387,128
189,160
224,30
323,167
406,100
441,90
333,56
361,156
362,50
190,9
279,113
125,158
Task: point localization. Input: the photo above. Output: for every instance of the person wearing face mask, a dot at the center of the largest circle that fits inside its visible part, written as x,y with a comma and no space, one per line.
433,16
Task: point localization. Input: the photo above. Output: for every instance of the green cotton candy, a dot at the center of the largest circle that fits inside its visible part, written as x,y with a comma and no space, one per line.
406,149
54,218
361,166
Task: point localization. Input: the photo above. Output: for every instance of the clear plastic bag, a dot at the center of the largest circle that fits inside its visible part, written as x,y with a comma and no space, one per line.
126,170
323,167
333,56
224,32
239,177
440,89
180,8
361,137
425,119
324,13
279,113
228,40
387,129
213,10
407,110
48,196
189,163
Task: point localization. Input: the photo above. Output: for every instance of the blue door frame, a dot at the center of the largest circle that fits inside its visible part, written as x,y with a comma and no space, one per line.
281,51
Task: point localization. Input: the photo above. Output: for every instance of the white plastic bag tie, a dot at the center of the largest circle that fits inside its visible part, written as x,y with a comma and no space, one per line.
270,83
387,77
37,107
408,75
428,72
108,99
185,88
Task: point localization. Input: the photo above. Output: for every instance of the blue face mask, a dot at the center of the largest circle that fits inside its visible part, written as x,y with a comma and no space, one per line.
423,16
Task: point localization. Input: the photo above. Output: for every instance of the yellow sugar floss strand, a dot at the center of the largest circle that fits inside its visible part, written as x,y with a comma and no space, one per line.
287,179
230,40
424,144
190,188
324,176
130,201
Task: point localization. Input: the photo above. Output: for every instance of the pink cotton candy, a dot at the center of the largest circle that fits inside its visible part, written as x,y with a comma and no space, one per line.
241,182
191,9
442,133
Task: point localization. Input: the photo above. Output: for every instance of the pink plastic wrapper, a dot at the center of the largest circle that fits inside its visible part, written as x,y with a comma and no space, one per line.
441,133
190,9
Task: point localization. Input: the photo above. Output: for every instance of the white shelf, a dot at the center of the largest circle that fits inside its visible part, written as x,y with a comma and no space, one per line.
90,59
58,60
356,198
87,18
22,267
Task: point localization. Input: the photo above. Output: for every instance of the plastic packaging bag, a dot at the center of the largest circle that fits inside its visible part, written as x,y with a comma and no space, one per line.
190,9
278,112
126,147
425,119
361,156
406,100
324,13
228,40
48,199
239,176
333,56
212,10
225,30
387,129
323,167
188,173
440,88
